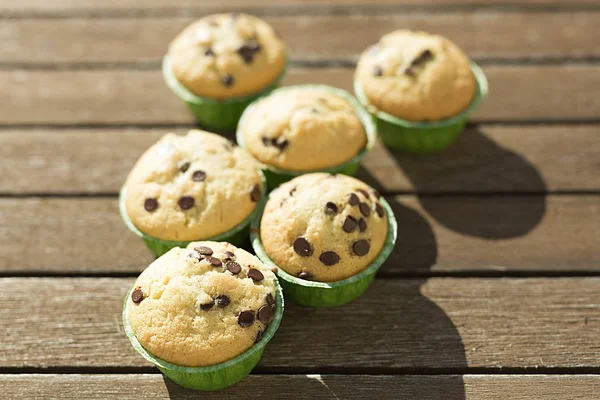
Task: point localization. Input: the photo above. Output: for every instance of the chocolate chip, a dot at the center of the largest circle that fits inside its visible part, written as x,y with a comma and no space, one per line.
205,251
281,143
425,56
184,167
363,192
222,301
199,176
229,256
246,318
150,204
137,296
233,267
349,224
259,336
207,306
293,191
353,199
255,274
265,314
377,71
329,258
186,202
270,299
195,255
215,262
255,193
305,275
227,80
209,52
362,225
364,209
375,193
331,208
379,210
248,50
267,141
361,247
302,247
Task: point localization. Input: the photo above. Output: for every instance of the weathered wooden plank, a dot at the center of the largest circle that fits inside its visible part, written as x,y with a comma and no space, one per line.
258,5
486,158
482,35
439,233
442,323
308,387
140,97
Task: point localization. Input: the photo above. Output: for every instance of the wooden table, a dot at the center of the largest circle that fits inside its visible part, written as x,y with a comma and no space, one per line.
493,291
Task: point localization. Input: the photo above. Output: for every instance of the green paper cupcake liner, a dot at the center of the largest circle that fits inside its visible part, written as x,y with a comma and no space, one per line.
237,236
212,114
423,137
216,376
276,176
326,294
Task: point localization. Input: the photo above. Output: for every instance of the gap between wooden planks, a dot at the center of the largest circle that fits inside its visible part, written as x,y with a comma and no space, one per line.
486,159
482,35
517,93
437,234
309,387
446,325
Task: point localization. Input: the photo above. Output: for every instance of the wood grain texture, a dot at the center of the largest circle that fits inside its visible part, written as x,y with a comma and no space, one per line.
258,6
482,35
308,387
440,324
439,233
140,97
486,159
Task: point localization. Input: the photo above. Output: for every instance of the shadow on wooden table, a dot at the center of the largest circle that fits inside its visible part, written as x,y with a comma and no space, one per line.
475,166
383,338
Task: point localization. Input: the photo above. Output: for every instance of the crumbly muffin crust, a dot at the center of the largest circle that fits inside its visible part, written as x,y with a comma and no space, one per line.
227,55
202,305
192,187
416,76
323,227
303,128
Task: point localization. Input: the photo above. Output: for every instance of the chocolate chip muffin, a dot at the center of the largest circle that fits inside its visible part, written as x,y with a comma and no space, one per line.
303,128
416,76
227,55
323,227
202,305
192,187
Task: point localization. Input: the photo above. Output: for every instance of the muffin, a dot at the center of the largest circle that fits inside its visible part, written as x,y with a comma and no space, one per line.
420,87
221,62
416,76
323,227
306,128
201,306
191,187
